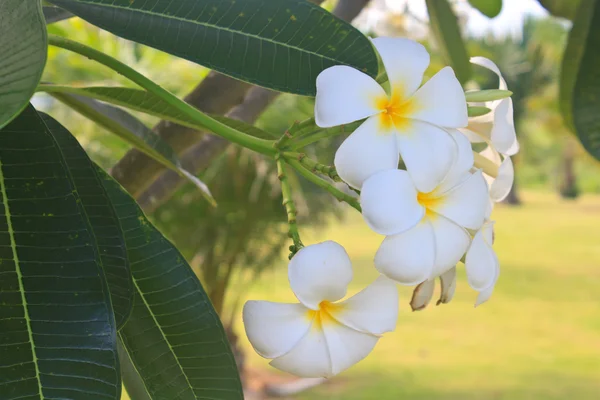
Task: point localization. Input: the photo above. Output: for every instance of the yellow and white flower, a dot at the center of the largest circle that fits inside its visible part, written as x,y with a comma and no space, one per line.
426,231
497,128
409,122
320,337
500,185
481,263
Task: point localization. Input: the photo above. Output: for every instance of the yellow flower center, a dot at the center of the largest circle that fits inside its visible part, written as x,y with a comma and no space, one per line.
395,111
324,315
429,201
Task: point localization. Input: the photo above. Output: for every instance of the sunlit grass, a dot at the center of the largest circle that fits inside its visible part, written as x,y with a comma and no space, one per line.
538,338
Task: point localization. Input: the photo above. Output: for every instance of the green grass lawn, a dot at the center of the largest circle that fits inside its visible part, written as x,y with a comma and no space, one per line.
537,338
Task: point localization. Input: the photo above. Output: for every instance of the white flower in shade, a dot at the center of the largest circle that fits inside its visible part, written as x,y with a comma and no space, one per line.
497,128
481,263
426,232
407,122
319,337
501,184
424,291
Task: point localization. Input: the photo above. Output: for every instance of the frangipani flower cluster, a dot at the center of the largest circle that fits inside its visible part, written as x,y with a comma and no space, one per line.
433,214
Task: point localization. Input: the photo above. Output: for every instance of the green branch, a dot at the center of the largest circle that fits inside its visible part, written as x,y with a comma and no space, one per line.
259,145
290,206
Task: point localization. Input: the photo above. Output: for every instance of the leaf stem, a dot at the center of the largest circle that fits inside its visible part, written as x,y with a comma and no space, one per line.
259,145
319,134
290,206
338,194
314,166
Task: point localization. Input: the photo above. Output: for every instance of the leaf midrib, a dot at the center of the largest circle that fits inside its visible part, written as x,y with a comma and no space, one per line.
335,61
13,246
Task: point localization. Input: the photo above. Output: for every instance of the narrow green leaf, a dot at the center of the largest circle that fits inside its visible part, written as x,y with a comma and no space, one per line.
489,8
174,336
477,96
561,8
445,29
148,103
57,327
23,49
133,131
579,79
282,45
476,111
102,217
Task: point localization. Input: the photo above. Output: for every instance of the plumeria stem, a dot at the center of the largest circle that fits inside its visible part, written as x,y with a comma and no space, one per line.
294,131
338,194
488,166
290,206
324,133
259,145
314,166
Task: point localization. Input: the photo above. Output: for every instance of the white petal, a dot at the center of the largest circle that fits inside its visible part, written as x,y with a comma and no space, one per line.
389,202
428,152
405,62
462,164
347,346
489,64
451,243
408,257
448,286
320,272
472,135
485,294
501,186
422,295
274,329
481,261
345,95
365,152
309,358
503,135
467,203
441,101
372,310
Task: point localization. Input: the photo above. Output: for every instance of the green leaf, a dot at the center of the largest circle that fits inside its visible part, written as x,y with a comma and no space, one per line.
133,131
23,49
282,45
102,218
55,14
148,103
561,8
579,79
476,111
57,328
174,336
489,8
445,29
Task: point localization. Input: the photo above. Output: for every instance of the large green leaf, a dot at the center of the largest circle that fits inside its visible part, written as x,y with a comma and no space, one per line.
445,29
132,130
282,45
148,103
23,49
174,336
579,78
489,8
102,217
561,8
57,329
55,14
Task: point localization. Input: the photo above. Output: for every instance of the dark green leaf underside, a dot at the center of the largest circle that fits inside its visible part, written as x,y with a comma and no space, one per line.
174,336
102,218
282,45
561,8
23,48
56,327
580,82
489,8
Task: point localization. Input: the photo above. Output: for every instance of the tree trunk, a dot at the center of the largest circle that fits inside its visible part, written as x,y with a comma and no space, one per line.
568,187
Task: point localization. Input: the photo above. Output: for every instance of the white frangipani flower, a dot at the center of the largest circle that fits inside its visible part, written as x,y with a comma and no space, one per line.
500,185
481,263
318,337
426,232
424,291
407,122
497,128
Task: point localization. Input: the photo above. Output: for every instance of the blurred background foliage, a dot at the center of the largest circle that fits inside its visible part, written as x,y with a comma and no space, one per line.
231,246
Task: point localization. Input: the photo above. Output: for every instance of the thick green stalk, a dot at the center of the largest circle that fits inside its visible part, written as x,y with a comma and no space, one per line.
338,194
314,166
259,145
290,206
